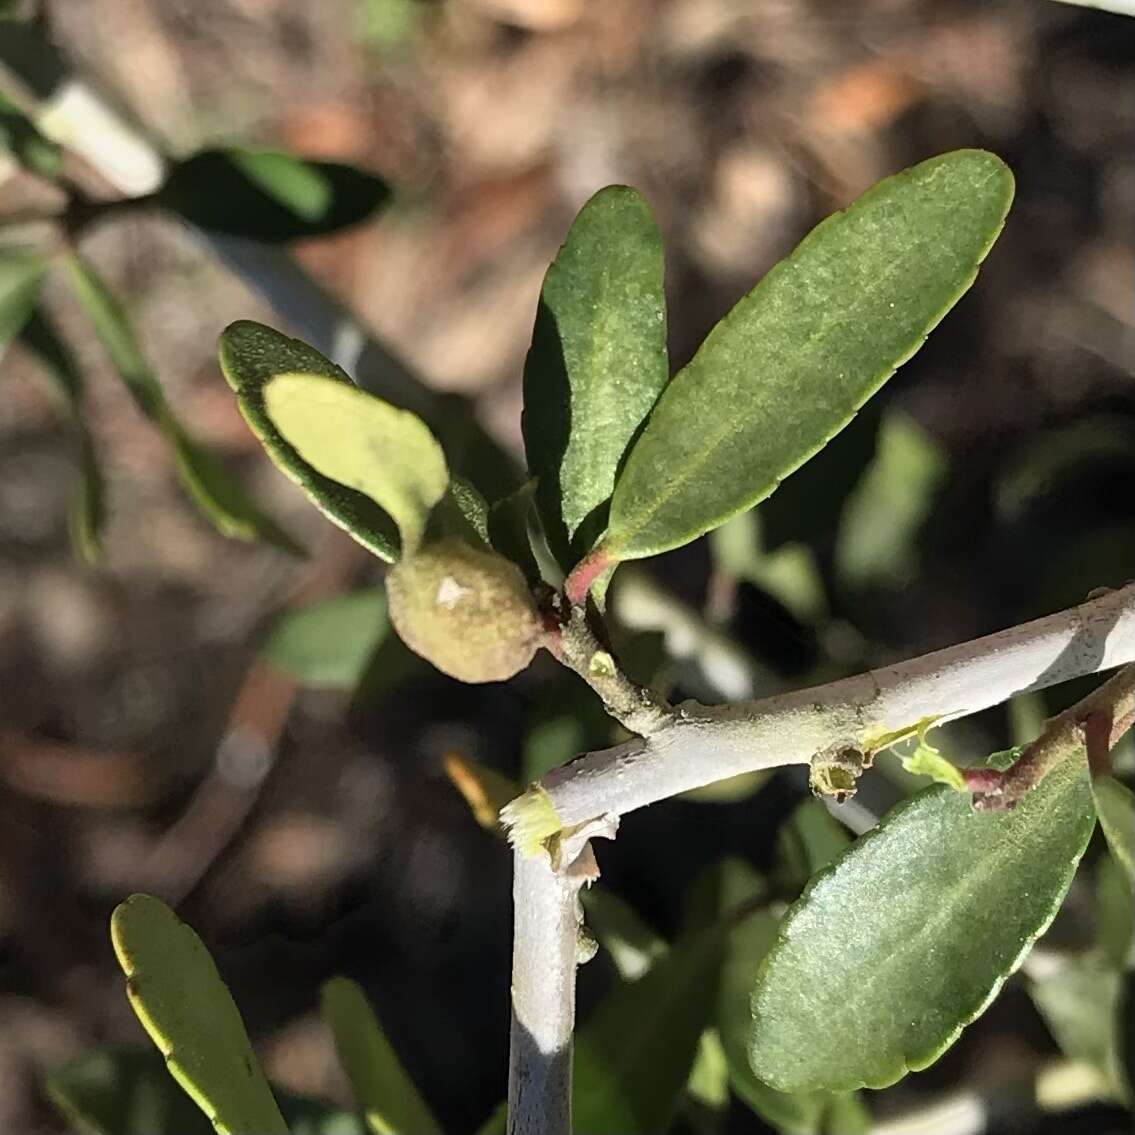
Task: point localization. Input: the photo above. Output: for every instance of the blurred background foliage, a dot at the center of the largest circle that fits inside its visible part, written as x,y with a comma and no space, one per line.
235,730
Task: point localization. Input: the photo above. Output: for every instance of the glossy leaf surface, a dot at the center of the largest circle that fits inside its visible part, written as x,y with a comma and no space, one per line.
907,937
190,1015
788,367
597,363
384,1091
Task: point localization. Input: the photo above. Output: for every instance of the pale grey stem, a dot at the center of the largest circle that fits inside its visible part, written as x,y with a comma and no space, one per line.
545,952
703,745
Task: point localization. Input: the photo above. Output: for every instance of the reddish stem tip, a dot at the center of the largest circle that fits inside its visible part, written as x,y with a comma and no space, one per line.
583,576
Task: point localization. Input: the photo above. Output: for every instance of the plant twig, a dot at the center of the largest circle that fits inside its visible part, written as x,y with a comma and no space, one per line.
632,706
547,945
1096,723
698,745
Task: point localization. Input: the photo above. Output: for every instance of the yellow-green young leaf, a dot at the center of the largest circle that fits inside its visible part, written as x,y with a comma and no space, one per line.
190,1015
1115,804
251,356
219,497
360,441
906,938
1115,913
788,367
21,274
386,1094
88,506
596,366
329,643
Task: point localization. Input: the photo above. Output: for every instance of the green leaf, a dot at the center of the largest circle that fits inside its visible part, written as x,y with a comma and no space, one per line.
183,1004
329,643
270,195
130,1092
251,356
1125,1015
21,274
1115,803
597,364
807,842
385,1092
788,367
709,1077
25,143
749,940
928,761
123,1092
508,529
1078,1002
790,574
634,1056
633,946
908,936
218,496
88,505
877,545
1115,913
360,441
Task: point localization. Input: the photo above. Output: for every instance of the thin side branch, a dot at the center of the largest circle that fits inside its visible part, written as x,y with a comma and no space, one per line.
698,745
1096,723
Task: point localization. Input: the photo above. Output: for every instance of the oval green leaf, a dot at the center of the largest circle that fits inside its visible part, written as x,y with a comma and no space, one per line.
251,356
788,367
386,1094
219,497
360,441
183,1004
270,195
907,937
596,366
329,643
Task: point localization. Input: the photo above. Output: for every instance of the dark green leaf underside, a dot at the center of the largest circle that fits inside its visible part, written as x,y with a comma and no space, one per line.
269,195
788,367
908,936
251,355
596,366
